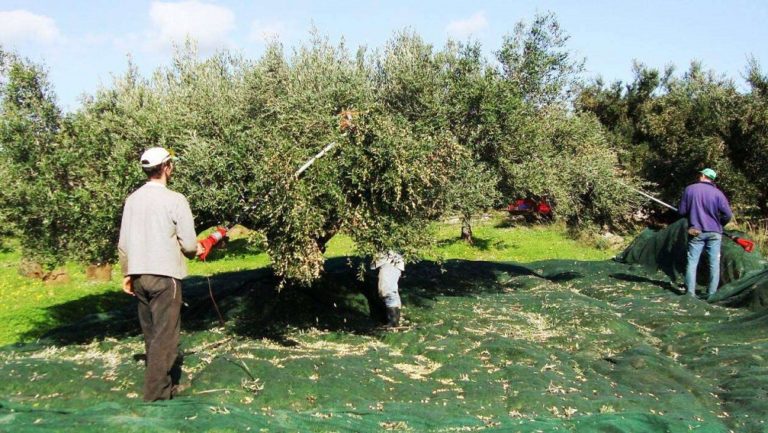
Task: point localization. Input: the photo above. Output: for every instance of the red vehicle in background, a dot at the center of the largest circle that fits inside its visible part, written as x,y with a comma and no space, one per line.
531,209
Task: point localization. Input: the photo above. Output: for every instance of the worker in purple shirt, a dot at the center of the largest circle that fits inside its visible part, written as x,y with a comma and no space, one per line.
707,211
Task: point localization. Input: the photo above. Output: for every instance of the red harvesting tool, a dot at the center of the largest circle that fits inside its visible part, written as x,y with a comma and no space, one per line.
212,240
744,243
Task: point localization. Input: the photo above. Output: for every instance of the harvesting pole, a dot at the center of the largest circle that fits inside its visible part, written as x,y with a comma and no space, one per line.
313,159
345,125
648,196
744,243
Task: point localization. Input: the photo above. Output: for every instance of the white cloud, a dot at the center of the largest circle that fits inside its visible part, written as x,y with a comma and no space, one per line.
24,26
263,32
208,24
472,25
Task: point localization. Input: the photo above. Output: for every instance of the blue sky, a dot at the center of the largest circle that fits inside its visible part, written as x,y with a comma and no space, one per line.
83,43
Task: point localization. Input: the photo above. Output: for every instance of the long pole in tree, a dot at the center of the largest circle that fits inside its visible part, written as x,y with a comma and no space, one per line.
345,124
744,243
313,159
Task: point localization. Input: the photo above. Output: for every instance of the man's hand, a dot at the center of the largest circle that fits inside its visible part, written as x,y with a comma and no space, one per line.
128,285
200,249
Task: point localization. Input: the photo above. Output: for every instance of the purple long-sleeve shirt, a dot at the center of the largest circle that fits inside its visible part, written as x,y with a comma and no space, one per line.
706,207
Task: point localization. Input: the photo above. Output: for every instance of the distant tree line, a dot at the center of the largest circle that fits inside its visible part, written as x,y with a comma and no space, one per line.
434,132
666,127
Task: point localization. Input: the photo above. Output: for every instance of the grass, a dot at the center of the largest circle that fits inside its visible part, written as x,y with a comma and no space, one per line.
25,302
495,239
759,231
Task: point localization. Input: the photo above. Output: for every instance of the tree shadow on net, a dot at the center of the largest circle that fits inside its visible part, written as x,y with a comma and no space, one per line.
114,314
343,302
111,314
249,304
425,282
666,285
345,298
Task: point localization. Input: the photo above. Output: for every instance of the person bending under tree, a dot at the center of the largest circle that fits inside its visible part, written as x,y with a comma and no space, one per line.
156,233
707,210
390,266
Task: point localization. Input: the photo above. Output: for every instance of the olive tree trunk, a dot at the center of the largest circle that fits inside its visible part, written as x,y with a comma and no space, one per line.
466,229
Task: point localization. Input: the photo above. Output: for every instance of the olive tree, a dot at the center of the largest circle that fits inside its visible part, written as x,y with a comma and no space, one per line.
669,126
537,64
443,92
36,162
567,159
383,184
749,148
242,129
537,144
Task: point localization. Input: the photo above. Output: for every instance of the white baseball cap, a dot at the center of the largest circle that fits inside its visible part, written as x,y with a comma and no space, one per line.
154,156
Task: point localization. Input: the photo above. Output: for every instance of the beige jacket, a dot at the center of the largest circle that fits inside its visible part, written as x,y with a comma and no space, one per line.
156,233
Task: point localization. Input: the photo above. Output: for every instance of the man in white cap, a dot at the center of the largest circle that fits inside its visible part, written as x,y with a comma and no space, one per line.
156,233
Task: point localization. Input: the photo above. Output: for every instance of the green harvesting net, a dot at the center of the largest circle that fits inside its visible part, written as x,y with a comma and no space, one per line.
743,275
548,346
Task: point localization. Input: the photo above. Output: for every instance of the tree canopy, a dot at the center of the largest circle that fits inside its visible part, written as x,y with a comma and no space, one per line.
433,132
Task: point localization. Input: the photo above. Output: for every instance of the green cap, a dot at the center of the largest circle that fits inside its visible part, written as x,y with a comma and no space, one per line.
709,173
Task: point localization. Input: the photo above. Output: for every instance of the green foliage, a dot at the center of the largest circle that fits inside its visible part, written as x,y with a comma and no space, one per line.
475,189
466,81
687,128
536,63
750,144
439,93
519,123
433,132
670,127
399,182
407,82
35,160
567,159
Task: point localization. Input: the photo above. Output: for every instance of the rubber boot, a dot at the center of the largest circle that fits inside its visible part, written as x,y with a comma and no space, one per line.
393,317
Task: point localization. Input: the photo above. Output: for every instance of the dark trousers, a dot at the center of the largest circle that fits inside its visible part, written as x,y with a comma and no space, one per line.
159,315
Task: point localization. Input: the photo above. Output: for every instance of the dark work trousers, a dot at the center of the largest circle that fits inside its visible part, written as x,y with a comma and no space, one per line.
159,315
